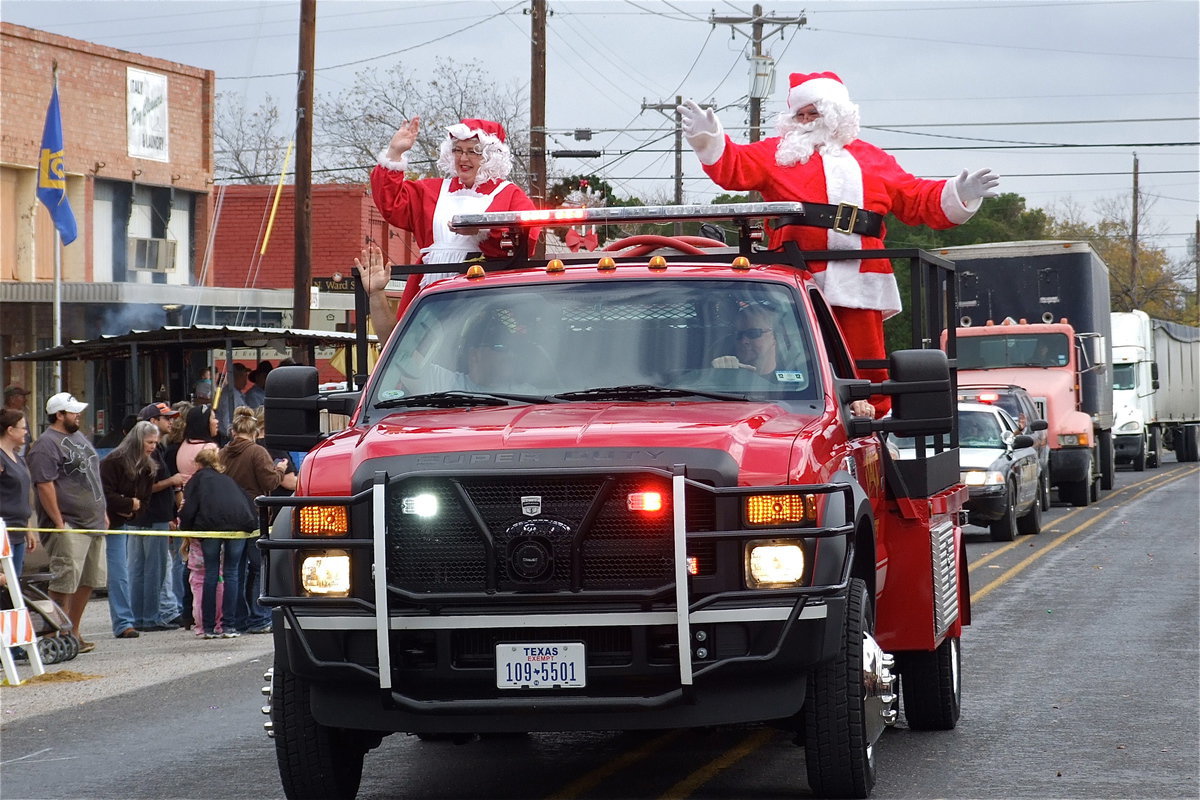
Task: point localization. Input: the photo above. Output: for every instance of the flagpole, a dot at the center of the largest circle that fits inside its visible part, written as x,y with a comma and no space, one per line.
58,386
52,191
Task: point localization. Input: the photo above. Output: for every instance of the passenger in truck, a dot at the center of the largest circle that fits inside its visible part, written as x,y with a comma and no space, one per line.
495,355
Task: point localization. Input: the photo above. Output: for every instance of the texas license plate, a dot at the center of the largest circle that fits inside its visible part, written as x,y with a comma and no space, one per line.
540,665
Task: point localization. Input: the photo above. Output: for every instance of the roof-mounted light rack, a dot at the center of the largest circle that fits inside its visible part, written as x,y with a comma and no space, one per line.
540,218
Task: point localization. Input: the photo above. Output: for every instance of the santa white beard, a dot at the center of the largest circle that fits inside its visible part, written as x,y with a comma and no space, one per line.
836,128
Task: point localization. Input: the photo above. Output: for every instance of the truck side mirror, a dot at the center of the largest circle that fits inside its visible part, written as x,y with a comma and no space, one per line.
1022,440
292,420
1039,425
1154,375
922,403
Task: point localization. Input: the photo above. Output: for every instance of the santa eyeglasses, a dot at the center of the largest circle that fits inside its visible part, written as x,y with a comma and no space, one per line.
459,152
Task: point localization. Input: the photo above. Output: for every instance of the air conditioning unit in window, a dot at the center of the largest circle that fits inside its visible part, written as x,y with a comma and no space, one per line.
152,255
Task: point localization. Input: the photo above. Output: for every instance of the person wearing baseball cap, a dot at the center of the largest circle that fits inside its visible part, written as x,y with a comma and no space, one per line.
476,160
847,187
156,411
65,471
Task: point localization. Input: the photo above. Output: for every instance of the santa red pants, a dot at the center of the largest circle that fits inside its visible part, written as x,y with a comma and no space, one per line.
863,331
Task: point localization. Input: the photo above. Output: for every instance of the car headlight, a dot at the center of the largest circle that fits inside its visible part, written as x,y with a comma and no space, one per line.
1073,440
981,477
326,574
774,564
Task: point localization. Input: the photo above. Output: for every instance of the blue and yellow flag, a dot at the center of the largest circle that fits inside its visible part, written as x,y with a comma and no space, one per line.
52,173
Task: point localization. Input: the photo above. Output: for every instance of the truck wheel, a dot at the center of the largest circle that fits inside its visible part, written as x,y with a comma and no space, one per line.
1005,528
1187,443
1031,523
1044,492
1139,458
838,752
1108,460
932,687
1153,458
315,761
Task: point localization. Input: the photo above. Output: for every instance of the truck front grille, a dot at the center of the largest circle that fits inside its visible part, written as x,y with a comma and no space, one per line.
536,534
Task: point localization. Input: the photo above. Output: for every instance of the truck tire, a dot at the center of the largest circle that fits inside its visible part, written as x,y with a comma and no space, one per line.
1154,456
1139,458
315,761
839,758
1078,493
1031,523
1187,443
1108,460
1005,528
932,687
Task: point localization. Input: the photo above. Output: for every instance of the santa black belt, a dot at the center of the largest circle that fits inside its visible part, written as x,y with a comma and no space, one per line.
843,218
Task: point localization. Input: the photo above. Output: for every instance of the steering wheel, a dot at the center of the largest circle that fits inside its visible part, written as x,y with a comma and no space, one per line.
645,243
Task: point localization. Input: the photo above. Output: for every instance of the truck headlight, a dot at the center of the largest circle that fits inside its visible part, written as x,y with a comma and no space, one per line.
1133,426
1072,440
772,564
981,477
326,574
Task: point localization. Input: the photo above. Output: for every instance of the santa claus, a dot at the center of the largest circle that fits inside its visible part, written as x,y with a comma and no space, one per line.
476,161
847,186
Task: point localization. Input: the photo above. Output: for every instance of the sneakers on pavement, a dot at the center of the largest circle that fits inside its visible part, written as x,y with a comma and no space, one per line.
230,635
128,633
263,629
208,635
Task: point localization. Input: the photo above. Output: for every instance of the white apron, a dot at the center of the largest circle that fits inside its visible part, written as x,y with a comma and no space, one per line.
448,246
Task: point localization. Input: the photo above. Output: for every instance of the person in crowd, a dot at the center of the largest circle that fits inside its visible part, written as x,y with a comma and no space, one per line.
202,392
127,475
260,616
199,434
16,504
151,590
476,162
756,343
65,472
256,395
212,501
15,398
250,466
177,545
847,187
232,394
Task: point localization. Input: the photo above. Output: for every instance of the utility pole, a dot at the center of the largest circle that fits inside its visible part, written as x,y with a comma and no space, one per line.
303,188
537,111
759,88
1133,241
674,108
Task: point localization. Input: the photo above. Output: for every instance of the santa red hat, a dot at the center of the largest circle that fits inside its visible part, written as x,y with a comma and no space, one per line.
811,87
483,129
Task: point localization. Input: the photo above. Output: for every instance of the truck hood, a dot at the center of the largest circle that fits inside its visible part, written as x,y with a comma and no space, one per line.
758,436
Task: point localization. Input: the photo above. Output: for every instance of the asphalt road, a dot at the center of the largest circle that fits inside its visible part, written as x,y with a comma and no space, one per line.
1080,681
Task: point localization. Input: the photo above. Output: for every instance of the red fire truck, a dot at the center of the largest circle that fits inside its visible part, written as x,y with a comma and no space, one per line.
577,494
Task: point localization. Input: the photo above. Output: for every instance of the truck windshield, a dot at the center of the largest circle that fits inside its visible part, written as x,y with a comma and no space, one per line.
739,339
1124,376
999,350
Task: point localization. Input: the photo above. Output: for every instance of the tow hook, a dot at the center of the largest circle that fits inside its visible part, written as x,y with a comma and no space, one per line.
269,677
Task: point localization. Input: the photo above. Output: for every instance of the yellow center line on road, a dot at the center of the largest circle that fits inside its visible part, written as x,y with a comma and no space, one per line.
1159,479
718,765
1020,566
589,781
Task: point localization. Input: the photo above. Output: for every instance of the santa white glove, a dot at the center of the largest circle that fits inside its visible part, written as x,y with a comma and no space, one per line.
703,131
975,186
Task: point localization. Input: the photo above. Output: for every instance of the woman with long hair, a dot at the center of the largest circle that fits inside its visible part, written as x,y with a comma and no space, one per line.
127,475
199,433
212,501
16,505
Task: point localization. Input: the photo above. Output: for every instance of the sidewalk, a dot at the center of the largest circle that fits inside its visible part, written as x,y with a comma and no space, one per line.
117,666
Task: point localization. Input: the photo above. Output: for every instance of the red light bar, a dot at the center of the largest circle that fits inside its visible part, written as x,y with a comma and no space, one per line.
644,501
988,397
621,215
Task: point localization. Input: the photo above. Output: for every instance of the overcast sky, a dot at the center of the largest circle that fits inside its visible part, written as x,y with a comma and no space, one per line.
941,85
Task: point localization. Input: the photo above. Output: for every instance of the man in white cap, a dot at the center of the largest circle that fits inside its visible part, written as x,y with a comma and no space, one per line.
847,186
476,162
65,472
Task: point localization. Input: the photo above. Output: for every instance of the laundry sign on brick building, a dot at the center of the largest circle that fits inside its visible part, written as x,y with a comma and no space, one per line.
146,96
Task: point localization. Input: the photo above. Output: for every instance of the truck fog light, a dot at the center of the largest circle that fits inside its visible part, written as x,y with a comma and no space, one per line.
327,574
773,564
423,505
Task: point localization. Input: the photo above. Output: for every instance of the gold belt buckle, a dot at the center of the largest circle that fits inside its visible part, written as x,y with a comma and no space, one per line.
844,208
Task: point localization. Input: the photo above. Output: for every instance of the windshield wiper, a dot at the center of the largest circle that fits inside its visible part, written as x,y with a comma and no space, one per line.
642,391
459,399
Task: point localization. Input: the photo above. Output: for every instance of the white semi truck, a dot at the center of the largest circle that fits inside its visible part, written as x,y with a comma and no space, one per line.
1156,389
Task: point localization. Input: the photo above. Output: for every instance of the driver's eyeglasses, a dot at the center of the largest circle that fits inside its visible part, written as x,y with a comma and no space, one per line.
460,152
752,333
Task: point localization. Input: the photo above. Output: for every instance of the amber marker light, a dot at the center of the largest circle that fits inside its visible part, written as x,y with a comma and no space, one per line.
741,262
606,263
781,509
658,262
324,521
555,265
475,271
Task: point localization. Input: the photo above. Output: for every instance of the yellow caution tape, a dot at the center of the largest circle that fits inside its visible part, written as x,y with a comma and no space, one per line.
141,532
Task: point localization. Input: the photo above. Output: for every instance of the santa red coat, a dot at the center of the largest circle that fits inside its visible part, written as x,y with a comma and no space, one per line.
864,176
409,205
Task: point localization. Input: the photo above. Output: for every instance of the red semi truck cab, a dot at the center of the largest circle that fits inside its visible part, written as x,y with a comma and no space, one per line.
574,494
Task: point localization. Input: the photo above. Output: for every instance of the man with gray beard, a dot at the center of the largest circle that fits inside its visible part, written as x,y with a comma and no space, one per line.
847,187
